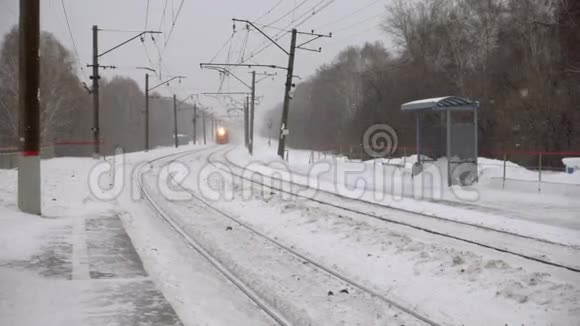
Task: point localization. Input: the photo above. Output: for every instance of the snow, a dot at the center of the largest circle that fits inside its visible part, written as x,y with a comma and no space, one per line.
422,104
447,280
573,163
552,215
418,269
38,258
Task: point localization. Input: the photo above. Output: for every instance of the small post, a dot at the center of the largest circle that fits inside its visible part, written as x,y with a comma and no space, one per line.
449,176
476,142
418,126
504,170
540,173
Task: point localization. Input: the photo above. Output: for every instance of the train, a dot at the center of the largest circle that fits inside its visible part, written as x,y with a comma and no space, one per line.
222,135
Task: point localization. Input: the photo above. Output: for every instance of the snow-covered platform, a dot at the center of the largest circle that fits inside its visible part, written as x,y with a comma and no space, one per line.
75,271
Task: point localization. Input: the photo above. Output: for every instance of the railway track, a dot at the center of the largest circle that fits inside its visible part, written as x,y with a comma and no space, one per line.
535,258
470,207
329,271
262,304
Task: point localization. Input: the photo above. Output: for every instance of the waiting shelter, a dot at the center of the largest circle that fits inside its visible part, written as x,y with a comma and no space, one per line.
447,127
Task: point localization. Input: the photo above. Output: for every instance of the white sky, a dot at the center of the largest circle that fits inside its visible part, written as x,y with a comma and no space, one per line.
200,31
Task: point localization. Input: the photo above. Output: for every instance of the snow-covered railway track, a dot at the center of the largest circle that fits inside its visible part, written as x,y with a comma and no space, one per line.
262,304
544,249
392,304
450,203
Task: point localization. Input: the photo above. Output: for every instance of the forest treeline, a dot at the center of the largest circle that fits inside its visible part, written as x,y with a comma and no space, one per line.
66,105
519,58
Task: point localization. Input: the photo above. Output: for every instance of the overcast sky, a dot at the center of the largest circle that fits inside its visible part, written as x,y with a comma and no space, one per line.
201,29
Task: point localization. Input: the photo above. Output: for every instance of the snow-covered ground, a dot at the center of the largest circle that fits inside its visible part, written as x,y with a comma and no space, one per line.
553,213
482,278
39,256
448,281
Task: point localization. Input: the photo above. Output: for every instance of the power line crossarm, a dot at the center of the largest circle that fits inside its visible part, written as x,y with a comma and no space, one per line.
261,32
241,65
129,40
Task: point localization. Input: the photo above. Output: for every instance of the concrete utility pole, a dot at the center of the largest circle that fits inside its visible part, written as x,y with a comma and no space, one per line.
204,135
252,108
147,91
212,130
246,123
175,121
95,78
147,112
290,71
95,91
195,124
270,132
284,131
29,195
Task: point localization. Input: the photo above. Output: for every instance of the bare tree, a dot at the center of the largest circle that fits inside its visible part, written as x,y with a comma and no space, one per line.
61,93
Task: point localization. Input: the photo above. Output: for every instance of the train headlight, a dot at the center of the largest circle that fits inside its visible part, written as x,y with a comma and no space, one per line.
221,131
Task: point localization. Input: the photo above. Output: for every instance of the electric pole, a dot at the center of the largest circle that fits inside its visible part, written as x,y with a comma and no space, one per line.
213,128
269,132
212,136
252,109
249,105
147,91
147,112
95,91
204,136
246,124
175,121
95,78
195,124
284,131
29,187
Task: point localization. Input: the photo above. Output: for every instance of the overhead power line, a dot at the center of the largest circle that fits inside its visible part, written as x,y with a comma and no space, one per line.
358,23
289,13
120,30
147,15
163,15
269,11
76,52
314,12
223,47
351,14
173,23
284,31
